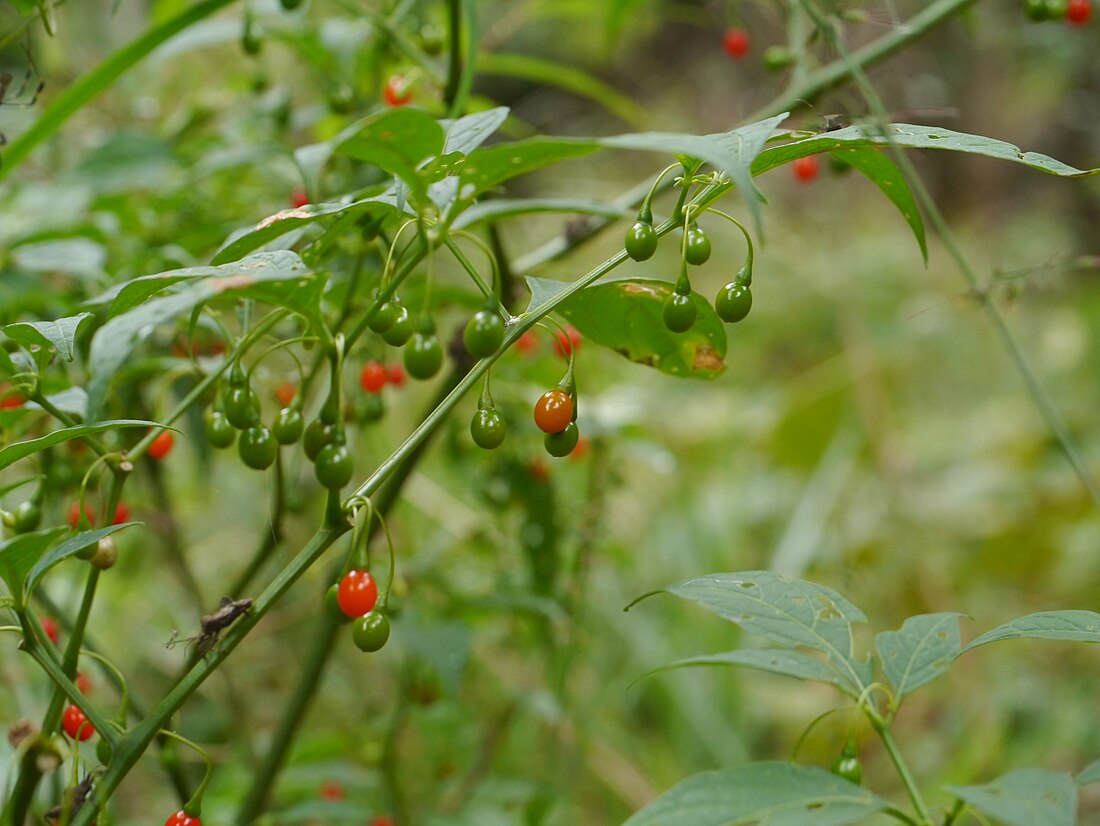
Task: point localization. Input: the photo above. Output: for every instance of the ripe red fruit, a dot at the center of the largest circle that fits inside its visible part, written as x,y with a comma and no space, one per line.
331,790
83,682
567,342
581,449
49,627
161,446
373,376
357,594
1078,12
396,92
806,169
74,514
397,375
553,411
122,514
76,725
381,820
181,818
736,43
527,343
299,198
286,392
11,401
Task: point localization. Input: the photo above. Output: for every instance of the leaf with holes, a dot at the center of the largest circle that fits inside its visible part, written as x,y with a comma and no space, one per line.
1071,626
791,613
922,649
1026,797
776,794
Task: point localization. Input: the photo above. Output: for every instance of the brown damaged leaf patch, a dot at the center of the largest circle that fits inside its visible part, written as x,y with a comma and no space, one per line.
630,288
707,359
282,216
232,282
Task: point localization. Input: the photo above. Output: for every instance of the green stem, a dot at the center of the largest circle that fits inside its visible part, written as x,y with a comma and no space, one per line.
99,79
467,265
462,24
134,743
1039,396
887,737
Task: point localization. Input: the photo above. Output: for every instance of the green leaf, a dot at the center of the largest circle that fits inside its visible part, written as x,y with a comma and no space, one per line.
733,153
12,453
776,794
113,343
67,549
20,554
398,141
1090,774
1073,626
470,131
1025,797
627,317
73,400
563,76
499,208
791,613
487,167
287,220
922,649
908,136
786,663
58,334
884,174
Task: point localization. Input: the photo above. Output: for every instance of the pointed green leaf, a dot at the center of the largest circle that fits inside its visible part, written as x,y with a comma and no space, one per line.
786,663
1026,797
485,168
12,453
20,554
1090,774
1073,626
279,224
627,317
58,334
470,131
922,649
67,549
72,400
113,343
884,174
397,141
791,613
776,794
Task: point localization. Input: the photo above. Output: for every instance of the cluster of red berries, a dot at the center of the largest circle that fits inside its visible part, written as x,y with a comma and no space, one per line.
375,375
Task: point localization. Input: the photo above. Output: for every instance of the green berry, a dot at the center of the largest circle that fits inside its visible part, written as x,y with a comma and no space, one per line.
317,435
385,316
487,428
257,447
401,330
333,466
241,406
696,246
680,312
733,302
219,432
371,631
423,355
484,333
562,443
26,517
288,426
641,241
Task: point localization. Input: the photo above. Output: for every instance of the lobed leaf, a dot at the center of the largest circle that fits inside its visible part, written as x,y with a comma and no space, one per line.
1025,797
791,613
1074,626
627,316
786,663
776,794
922,649
59,334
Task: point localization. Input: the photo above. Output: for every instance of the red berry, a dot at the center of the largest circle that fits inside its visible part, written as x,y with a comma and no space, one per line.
181,818
528,343
373,376
122,514
357,594
299,198
76,725
1078,12
397,375
49,627
331,790
736,43
553,411
74,514
286,392
381,820
397,92
83,682
567,342
581,449
161,446
806,169
11,401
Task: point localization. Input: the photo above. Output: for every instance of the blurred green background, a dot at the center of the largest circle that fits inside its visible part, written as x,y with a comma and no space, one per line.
870,433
